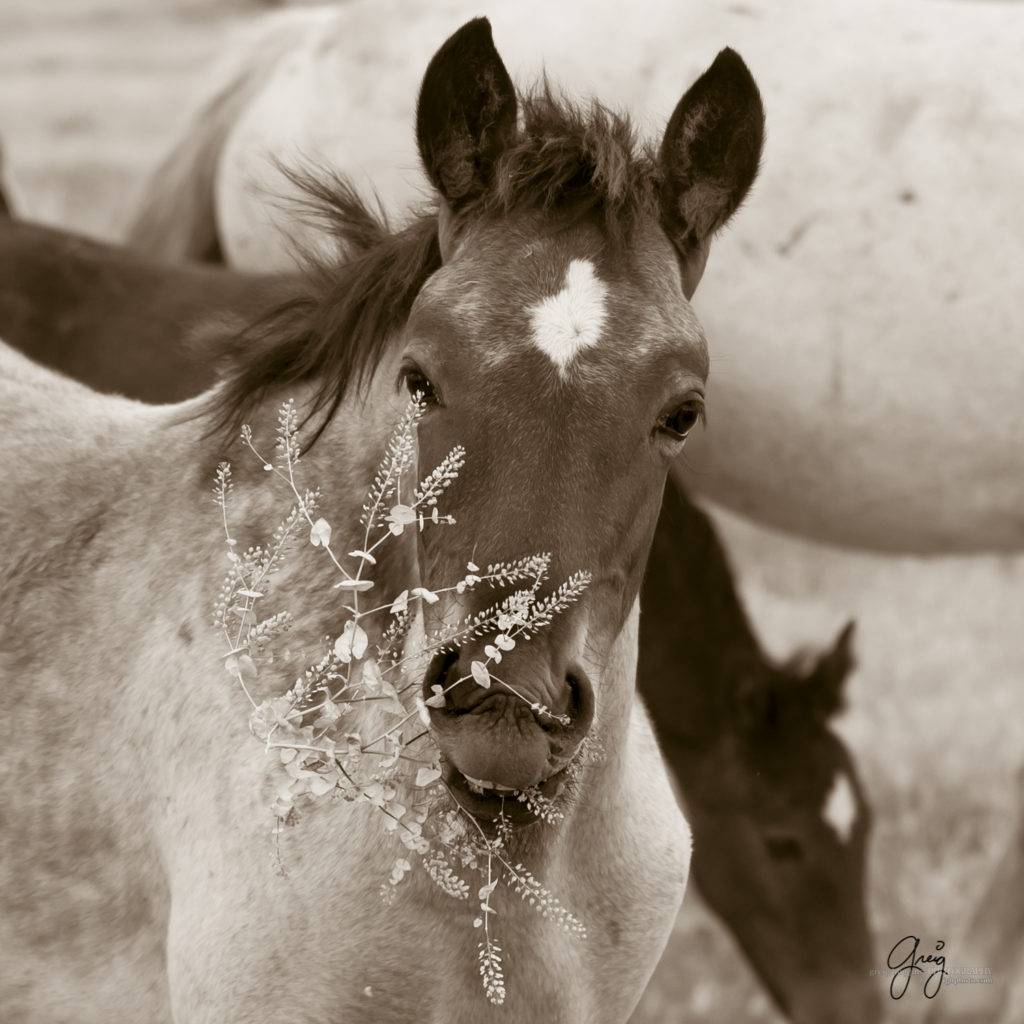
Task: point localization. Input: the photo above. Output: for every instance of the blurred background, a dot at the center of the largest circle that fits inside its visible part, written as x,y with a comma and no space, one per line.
92,93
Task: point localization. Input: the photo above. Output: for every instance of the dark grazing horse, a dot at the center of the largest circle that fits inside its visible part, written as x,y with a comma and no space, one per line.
538,315
779,815
760,771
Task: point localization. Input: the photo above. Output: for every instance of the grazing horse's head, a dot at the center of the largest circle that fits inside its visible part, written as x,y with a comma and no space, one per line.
542,313
556,343
780,793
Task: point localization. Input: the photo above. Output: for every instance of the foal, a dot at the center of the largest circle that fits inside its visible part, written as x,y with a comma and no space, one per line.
541,316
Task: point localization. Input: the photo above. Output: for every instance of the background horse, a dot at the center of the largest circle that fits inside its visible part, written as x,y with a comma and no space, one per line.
694,638
855,239
106,316
761,772
143,823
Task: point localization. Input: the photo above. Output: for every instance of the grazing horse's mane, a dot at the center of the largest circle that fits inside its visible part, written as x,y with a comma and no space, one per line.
567,161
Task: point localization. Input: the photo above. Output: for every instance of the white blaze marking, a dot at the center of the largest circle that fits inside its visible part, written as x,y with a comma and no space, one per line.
572,320
840,810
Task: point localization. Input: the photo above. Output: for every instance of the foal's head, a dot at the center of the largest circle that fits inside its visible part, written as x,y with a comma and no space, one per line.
783,824
542,313
556,343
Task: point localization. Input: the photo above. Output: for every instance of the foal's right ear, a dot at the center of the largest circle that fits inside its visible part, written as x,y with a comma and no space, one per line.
827,679
709,159
466,114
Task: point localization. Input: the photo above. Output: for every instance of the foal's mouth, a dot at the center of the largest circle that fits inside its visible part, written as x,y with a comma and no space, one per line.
502,755
490,803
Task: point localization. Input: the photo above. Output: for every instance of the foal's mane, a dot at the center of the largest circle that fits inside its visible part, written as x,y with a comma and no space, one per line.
568,162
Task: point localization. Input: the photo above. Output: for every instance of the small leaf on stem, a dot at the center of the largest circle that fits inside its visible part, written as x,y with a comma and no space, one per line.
399,518
357,586
364,555
241,665
428,776
352,642
320,533
320,785
423,711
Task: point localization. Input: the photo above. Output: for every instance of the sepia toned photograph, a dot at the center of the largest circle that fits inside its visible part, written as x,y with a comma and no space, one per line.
512,512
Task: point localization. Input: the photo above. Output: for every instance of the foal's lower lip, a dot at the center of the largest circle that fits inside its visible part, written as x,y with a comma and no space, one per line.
488,805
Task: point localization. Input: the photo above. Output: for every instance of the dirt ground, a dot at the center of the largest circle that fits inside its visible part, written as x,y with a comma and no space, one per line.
92,92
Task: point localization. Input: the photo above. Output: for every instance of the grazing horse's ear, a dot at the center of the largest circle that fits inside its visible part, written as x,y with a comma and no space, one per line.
754,700
709,159
466,114
827,679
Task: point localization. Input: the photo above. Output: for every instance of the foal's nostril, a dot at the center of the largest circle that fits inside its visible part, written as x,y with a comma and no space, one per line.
445,669
581,700
439,671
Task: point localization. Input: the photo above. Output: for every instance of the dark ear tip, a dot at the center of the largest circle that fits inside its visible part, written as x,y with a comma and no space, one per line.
729,72
475,31
729,58
472,38
835,666
844,645
729,63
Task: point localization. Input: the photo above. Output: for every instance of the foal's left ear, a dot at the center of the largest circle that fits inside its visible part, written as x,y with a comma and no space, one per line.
828,677
466,114
709,159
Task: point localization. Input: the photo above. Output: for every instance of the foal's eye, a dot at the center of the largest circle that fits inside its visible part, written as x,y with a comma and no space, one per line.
417,383
678,422
784,848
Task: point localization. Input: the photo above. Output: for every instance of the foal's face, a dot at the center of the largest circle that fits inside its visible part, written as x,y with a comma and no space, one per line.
572,376
783,825
571,370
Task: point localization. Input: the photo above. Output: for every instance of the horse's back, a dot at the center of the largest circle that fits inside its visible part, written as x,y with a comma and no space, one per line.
113,318
75,462
35,401
48,417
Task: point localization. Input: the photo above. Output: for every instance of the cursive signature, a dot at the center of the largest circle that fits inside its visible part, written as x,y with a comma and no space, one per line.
904,968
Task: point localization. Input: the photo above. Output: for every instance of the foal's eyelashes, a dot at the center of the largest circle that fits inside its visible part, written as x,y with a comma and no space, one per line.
678,420
418,384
